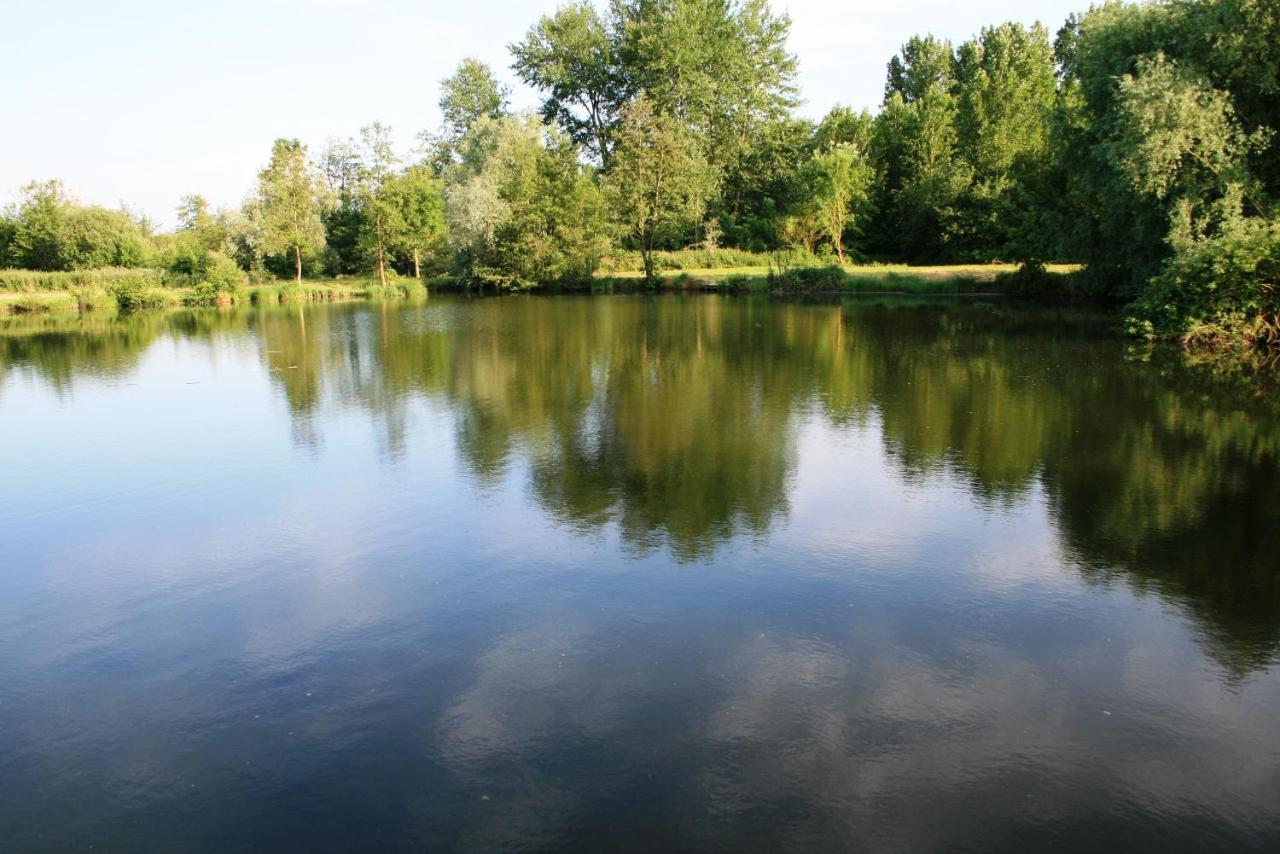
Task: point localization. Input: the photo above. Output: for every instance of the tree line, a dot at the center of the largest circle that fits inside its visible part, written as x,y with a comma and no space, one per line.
1139,140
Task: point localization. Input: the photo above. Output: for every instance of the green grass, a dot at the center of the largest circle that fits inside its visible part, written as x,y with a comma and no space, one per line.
864,278
38,302
35,281
104,290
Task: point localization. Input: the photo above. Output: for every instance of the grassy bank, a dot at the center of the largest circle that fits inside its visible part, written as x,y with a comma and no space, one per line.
111,290
24,291
850,278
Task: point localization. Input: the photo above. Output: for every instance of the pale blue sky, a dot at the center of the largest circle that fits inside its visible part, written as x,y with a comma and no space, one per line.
143,102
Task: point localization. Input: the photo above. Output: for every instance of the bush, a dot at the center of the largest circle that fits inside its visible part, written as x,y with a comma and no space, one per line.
1218,291
630,261
137,292
220,281
808,279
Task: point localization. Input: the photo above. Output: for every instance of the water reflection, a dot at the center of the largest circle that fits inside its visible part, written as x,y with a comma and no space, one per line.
638,573
676,419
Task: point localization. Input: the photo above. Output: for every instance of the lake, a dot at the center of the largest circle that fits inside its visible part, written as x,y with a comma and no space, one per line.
633,573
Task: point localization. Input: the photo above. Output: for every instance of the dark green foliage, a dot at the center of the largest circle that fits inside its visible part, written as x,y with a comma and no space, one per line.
801,280
1172,115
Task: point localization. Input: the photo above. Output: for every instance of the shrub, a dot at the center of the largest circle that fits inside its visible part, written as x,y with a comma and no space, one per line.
220,280
808,279
137,292
1218,291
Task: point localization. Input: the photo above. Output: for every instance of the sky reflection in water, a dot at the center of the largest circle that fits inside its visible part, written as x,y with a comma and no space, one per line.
634,573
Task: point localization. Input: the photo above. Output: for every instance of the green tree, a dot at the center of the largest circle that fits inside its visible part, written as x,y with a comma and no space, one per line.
418,196
659,181
1173,111
719,68
195,218
469,94
96,237
914,146
289,204
521,207
1006,89
343,217
842,126
573,57
39,227
839,181
383,216
925,65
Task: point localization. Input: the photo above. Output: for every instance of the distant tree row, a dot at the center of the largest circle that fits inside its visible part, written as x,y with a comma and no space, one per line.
1140,141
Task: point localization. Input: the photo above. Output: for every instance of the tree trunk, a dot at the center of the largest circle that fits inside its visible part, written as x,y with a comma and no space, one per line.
382,266
649,276
417,271
297,258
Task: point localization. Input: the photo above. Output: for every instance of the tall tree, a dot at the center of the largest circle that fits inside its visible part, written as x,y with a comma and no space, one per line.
383,217
573,57
1006,87
659,181
418,196
39,227
922,178
343,217
289,205
924,65
196,220
840,183
470,93
522,208
720,68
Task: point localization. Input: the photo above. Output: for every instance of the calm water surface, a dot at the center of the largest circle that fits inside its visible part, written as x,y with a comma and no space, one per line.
626,573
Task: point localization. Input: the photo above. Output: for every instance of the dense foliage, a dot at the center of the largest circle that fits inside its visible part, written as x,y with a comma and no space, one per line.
1141,141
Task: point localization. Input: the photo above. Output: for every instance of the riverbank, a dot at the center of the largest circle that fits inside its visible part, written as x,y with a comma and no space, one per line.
853,278
98,290
108,293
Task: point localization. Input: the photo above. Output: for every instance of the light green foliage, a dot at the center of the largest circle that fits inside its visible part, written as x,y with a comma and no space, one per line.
1006,85
47,230
97,237
418,197
376,194
521,209
288,205
839,182
659,182
720,68
1175,110
843,126
222,279
572,56
195,219
1221,288
1177,135
469,94
38,230
925,65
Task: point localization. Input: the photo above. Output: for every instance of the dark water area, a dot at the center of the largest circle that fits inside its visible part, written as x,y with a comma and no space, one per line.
633,573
